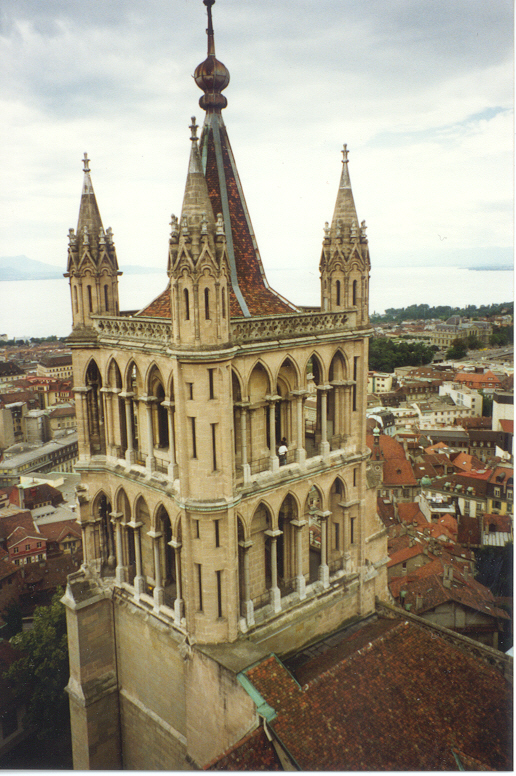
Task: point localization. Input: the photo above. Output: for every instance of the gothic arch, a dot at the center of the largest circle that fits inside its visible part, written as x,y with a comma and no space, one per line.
113,373
95,409
259,381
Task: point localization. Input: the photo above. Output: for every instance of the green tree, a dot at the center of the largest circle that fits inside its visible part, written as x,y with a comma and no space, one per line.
473,342
504,335
41,673
457,350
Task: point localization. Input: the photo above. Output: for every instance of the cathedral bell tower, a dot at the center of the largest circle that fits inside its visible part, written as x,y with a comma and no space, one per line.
345,263
92,264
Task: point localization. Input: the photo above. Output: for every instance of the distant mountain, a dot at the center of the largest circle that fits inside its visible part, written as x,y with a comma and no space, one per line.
23,268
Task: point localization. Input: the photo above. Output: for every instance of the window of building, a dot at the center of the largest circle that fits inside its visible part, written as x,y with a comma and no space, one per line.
497,504
497,492
219,593
197,531
38,544
106,299
336,539
194,439
15,550
217,533
27,547
199,585
223,303
187,304
211,383
207,304
214,445
337,288
352,530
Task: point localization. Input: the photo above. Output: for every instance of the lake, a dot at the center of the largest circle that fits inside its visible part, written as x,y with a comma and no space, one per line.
40,308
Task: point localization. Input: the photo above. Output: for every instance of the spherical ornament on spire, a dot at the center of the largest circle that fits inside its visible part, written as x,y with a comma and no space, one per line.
211,75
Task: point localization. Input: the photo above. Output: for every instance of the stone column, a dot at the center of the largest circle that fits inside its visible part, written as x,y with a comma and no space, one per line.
300,432
116,519
274,591
273,458
178,603
129,453
151,461
300,577
82,418
248,604
325,445
324,572
159,593
108,416
172,466
139,581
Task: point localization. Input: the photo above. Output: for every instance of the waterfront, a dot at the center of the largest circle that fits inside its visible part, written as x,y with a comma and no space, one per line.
39,308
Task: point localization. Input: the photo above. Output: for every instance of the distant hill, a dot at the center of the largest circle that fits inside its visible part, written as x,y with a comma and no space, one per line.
23,268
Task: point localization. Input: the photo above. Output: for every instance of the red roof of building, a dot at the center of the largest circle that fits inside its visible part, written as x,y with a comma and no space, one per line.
378,701
507,426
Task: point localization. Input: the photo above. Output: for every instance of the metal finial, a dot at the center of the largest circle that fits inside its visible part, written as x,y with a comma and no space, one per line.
194,127
209,31
345,153
86,163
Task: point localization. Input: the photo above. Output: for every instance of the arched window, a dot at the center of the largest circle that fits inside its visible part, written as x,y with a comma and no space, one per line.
187,304
337,288
207,303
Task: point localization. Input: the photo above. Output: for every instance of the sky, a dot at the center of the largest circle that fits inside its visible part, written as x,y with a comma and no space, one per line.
420,90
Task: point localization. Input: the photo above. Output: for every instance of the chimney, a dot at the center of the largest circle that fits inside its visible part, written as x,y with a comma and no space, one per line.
419,601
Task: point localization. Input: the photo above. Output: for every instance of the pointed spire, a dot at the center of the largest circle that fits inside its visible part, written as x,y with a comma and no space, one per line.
345,211
196,201
89,214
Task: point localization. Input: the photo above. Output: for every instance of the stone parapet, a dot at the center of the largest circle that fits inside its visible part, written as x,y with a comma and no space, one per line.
159,332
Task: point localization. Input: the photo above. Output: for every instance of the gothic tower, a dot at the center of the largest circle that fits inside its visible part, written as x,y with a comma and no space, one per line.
203,550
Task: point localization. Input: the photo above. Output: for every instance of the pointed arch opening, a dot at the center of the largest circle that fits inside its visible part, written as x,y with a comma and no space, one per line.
338,402
287,430
336,527
313,508
262,445
95,410
105,551
289,564
260,567
314,407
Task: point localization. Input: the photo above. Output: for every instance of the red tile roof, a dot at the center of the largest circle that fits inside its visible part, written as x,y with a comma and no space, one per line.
394,697
507,426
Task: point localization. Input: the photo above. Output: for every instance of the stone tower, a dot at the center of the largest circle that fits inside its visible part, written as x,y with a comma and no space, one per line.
202,553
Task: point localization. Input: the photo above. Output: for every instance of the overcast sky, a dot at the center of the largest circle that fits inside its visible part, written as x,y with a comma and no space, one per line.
420,90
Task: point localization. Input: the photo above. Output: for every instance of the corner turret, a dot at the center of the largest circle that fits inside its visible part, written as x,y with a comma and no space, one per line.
345,262
92,264
198,263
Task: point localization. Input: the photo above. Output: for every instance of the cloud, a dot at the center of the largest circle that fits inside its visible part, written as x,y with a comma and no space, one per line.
421,92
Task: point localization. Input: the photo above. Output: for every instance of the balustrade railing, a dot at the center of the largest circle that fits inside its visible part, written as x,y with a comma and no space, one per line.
160,330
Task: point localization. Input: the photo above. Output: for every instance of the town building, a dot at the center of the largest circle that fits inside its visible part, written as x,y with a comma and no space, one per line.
57,455
56,366
206,548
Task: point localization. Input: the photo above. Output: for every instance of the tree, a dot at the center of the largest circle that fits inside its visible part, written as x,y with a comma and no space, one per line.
457,350
41,673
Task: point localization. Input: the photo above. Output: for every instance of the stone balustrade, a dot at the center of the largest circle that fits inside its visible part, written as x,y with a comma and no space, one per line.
256,329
